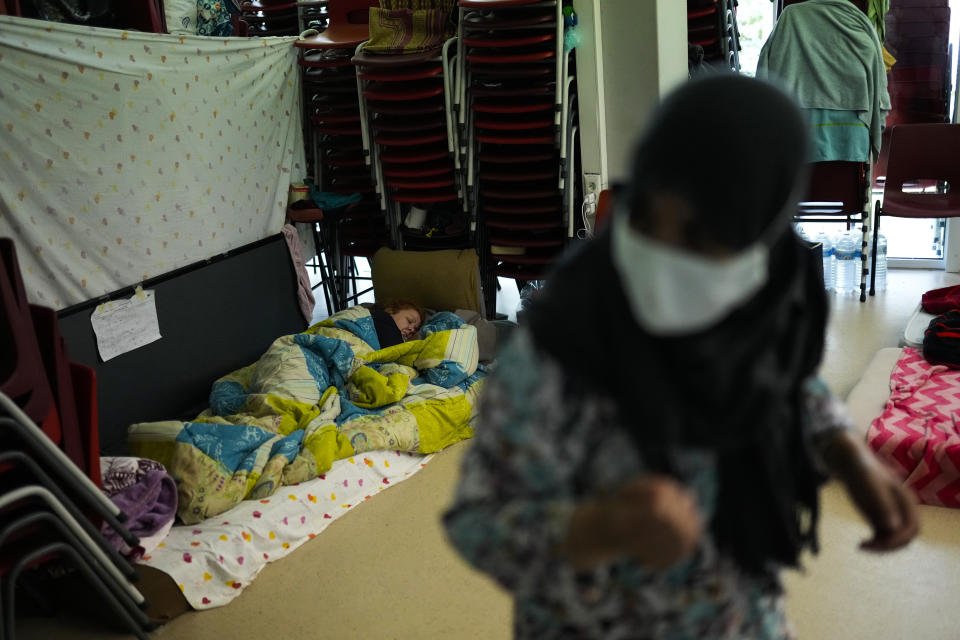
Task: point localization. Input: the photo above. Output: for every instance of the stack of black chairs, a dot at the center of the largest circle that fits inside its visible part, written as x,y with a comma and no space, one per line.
51,507
517,109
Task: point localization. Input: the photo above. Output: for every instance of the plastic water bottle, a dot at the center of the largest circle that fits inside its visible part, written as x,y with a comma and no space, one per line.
881,281
828,259
848,253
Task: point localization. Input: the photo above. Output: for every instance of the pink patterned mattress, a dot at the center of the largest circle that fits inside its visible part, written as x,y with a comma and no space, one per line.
917,434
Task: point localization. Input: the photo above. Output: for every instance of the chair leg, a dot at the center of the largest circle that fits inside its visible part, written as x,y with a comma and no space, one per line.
864,224
873,259
324,278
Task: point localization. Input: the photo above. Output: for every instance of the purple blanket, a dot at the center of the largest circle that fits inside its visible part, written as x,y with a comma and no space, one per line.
144,491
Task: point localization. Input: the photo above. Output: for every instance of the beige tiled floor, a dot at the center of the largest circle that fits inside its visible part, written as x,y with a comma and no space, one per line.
385,571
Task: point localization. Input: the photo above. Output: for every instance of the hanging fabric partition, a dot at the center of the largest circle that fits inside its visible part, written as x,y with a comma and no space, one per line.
124,155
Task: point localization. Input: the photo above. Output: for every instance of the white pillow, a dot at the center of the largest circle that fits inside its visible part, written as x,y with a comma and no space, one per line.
181,17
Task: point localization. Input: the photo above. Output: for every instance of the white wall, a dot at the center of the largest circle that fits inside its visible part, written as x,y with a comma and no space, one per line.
639,54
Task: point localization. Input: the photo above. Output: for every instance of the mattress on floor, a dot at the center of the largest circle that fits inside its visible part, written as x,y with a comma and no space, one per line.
913,334
869,397
214,561
916,430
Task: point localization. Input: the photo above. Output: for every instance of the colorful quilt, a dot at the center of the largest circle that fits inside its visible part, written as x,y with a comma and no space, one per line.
917,434
315,397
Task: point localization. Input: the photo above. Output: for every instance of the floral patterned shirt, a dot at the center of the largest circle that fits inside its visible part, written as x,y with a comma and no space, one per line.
533,457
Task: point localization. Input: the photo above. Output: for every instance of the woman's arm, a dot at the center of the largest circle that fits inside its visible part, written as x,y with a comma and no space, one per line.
881,498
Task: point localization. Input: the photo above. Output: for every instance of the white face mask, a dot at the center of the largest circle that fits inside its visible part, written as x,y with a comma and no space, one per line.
674,292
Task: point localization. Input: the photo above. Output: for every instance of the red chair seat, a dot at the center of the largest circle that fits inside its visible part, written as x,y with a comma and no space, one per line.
520,176
414,73
508,40
422,171
545,137
497,4
338,130
326,118
403,95
478,20
524,192
523,223
425,196
522,208
510,73
699,13
512,106
497,155
525,124
403,155
394,125
509,58
399,140
406,108
526,239
367,59
421,184
503,92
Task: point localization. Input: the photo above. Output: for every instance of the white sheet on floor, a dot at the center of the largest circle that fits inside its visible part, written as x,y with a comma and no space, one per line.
916,327
215,560
125,155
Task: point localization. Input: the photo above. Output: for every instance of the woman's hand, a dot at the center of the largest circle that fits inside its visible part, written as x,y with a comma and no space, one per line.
879,496
653,519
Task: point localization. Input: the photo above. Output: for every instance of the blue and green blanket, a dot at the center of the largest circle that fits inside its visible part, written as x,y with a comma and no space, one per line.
315,397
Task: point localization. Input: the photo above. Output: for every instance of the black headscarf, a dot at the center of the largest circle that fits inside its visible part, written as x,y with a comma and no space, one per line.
733,147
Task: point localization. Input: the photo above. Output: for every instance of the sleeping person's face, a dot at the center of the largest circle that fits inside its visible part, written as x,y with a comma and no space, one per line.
408,321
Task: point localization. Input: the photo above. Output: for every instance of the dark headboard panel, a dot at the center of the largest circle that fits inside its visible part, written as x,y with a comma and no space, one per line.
215,316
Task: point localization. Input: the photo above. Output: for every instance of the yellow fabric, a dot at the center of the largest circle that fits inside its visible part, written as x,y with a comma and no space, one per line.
888,59
373,389
434,418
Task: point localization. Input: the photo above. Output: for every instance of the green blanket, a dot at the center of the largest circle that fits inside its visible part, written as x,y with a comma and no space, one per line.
313,398
826,52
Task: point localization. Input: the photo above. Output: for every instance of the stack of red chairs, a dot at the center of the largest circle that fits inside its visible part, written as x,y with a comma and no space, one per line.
918,36
712,25
517,103
335,142
51,505
410,136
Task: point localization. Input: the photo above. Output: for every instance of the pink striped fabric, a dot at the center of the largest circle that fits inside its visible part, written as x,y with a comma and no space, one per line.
918,434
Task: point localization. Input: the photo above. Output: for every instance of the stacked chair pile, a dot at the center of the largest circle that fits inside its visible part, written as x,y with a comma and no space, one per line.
918,35
50,502
410,139
712,25
335,149
517,108
449,125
